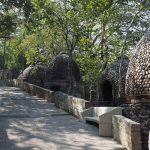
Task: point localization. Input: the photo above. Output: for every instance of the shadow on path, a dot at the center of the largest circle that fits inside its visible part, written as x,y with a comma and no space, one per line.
27,123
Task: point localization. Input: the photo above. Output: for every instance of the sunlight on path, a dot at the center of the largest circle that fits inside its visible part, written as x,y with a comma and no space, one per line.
28,123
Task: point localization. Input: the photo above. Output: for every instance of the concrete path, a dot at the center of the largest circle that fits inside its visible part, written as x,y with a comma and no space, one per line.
29,123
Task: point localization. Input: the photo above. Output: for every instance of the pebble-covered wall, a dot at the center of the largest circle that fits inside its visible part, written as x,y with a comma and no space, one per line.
139,112
65,68
138,74
34,73
111,75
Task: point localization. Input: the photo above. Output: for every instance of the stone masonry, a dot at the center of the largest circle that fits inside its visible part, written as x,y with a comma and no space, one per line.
138,88
111,74
138,74
140,113
65,68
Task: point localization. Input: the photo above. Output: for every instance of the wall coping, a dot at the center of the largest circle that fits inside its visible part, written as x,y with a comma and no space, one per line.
126,120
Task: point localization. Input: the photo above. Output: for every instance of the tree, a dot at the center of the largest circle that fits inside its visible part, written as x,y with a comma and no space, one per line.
11,10
92,32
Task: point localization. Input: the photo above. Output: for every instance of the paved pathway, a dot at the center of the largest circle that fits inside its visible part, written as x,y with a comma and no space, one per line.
29,123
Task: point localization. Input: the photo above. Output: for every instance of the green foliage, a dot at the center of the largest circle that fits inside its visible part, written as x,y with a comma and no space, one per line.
12,5
13,55
7,24
91,31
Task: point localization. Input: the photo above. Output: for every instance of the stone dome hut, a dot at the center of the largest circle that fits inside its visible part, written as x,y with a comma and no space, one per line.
64,75
35,74
25,74
109,83
38,74
64,68
138,74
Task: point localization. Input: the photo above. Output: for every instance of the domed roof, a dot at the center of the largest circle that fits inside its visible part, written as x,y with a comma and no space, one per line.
138,74
64,68
34,72
111,75
113,69
38,72
26,72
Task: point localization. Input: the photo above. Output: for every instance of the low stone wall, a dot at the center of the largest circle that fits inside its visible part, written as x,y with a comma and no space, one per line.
35,90
127,132
73,105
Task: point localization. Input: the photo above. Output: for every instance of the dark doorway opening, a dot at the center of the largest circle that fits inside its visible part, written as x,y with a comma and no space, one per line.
107,91
55,88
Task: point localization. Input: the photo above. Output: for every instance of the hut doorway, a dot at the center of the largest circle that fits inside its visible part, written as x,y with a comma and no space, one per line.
107,91
55,88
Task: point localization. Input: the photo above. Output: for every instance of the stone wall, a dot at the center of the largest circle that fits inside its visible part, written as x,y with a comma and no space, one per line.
35,90
70,104
73,105
127,132
140,112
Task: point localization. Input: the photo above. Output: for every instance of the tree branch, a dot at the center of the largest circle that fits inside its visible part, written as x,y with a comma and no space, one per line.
122,50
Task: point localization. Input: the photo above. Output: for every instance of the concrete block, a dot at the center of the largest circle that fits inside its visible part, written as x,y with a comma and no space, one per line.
127,132
105,118
105,129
